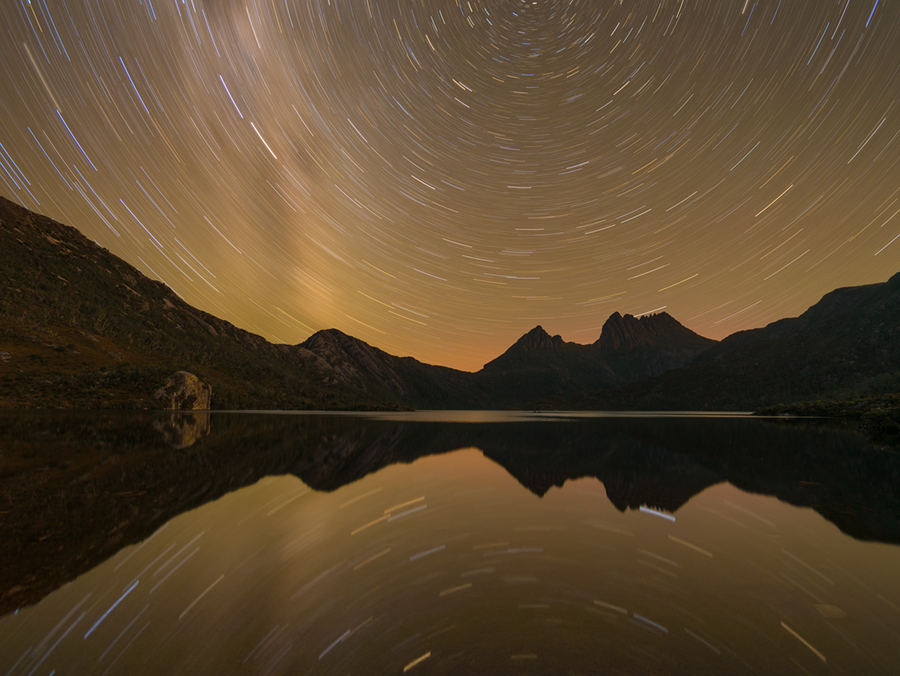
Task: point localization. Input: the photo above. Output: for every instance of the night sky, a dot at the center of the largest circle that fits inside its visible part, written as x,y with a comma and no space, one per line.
438,177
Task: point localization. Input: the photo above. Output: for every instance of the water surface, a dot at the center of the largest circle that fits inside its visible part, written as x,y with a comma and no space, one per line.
504,544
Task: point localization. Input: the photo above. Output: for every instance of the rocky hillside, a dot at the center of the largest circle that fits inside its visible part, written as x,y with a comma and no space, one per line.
403,379
80,327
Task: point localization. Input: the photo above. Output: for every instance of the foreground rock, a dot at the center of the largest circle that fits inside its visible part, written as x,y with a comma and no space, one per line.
184,391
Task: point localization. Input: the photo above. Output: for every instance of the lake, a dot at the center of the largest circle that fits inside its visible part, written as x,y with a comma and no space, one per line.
445,543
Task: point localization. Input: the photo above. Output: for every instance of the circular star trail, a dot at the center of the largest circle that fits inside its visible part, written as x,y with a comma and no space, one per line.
437,177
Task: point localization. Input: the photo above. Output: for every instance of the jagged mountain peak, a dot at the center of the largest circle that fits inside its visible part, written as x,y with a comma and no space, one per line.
627,332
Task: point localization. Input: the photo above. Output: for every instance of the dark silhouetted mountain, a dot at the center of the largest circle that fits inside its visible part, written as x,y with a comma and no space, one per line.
644,347
538,362
628,349
81,328
402,379
537,348
536,365
846,345
658,331
533,341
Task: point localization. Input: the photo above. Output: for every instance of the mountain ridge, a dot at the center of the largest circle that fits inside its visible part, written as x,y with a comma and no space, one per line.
627,349
845,346
80,327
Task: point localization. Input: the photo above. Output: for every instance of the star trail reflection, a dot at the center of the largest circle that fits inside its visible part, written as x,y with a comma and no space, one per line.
480,575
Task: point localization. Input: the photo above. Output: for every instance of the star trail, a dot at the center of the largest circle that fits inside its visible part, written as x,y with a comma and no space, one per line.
438,177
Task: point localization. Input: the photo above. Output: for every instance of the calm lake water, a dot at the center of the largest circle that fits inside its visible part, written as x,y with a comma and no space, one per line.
450,543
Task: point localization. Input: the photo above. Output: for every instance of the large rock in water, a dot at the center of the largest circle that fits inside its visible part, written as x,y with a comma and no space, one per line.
184,391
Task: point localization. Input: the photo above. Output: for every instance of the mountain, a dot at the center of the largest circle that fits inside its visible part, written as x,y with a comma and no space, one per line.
658,331
846,345
536,365
628,349
81,328
402,379
649,345
538,362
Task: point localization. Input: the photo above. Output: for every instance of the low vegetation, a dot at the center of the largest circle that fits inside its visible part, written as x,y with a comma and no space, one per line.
878,417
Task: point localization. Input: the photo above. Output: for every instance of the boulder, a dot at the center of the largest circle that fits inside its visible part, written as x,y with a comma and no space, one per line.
184,391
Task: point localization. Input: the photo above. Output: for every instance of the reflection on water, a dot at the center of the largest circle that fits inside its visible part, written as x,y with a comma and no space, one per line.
182,430
388,546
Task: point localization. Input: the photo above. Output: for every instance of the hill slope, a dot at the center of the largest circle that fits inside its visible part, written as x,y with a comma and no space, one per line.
403,379
81,328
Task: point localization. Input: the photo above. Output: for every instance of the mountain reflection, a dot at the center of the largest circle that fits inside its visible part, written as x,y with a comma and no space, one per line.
76,488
